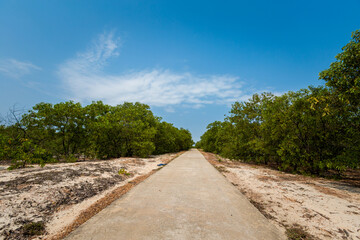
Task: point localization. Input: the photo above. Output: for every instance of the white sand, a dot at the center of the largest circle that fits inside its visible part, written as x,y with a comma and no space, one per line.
326,209
58,193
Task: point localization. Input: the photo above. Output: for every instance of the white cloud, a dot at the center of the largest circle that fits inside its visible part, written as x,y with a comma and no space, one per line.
16,69
83,75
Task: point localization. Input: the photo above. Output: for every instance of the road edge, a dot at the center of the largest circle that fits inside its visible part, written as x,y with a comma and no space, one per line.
105,201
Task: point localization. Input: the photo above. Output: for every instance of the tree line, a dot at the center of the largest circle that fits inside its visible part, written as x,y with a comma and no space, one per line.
68,131
310,131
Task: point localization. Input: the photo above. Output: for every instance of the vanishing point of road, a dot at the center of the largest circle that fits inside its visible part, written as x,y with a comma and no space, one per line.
187,199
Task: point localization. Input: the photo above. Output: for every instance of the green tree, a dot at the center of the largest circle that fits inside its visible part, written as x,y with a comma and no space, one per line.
127,130
59,128
165,138
344,74
308,131
68,131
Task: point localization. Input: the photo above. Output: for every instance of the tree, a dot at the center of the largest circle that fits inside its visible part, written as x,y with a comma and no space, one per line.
67,131
343,77
309,131
344,74
59,127
166,138
126,130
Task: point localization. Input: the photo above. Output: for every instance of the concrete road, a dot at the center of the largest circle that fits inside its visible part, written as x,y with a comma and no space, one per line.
187,199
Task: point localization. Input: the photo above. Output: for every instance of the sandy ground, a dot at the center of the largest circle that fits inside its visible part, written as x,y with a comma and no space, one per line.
58,194
324,209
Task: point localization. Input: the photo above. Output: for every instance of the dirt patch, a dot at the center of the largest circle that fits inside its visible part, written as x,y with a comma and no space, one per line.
303,207
65,194
333,192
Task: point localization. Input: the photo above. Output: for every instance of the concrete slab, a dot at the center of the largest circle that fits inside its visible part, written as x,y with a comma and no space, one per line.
187,199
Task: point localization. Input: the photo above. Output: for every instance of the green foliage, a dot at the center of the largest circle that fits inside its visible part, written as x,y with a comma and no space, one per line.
4,146
34,228
126,130
67,131
58,128
70,158
122,171
344,75
310,131
21,151
171,139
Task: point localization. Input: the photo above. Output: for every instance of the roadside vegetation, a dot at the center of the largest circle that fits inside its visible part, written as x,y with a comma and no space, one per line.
312,131
68,131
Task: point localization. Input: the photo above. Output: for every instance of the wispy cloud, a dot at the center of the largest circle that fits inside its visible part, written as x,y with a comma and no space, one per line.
16,69
83,75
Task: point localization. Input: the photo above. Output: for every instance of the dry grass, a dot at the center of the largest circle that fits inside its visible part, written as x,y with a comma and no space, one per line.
330,191
298,233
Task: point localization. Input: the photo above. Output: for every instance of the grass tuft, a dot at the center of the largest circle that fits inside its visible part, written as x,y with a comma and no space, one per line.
34,228
124,172
297,233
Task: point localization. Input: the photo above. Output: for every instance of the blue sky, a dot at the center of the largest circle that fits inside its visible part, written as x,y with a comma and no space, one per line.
189,60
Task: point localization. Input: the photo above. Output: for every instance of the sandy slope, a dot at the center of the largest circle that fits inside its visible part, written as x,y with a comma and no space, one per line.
58,193
326,209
